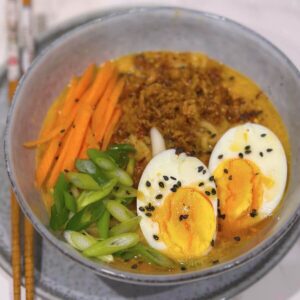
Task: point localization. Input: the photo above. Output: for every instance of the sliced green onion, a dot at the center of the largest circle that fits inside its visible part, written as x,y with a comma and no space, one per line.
102,160
85,217
112,245
83,181
123,147
124,192
82,241
60,187
79,240
70,202
153,256
119,157
126,226
122,176
88,167
103,225
94,196
58,219
119,211
106,258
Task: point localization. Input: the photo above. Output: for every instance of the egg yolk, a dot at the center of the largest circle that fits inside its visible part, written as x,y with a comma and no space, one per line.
240,188
187,224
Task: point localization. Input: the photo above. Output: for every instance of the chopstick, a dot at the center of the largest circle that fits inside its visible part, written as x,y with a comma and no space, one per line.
27,53
13,74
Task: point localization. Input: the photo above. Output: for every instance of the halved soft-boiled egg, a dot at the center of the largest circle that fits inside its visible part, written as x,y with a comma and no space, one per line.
250,169
178,205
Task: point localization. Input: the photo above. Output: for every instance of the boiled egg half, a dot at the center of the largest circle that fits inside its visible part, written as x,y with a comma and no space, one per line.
250,169
177,201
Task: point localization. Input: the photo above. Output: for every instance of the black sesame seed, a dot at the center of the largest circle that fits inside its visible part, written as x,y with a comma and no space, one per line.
166,178
66,170
211,178
220,156
269,150
212,243
173,178
248,151
159,196
141,208
203,172
183,217
134,266
201,184
213,135
178,184
215,262
223,216
247,147
263,134
207,193
179,150
230,177
76,100
241,155
200,169
155,237
213,191
261,154
226,171
63,130
183,268
161,184
173,189
253,213
148,183
148,214
56,157
237,238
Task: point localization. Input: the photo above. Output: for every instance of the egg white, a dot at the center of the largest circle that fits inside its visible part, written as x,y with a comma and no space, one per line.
180,166
272,163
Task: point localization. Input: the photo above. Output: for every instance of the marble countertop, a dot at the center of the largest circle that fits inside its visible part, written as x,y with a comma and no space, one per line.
277,20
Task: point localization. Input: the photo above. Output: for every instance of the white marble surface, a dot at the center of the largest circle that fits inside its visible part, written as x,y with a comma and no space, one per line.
277,20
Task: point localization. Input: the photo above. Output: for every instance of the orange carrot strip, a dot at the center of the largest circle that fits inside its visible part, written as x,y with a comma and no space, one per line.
113,100
85,81
111,128
102,104
69,101
47,160
72,145
89,142
55,131
100,83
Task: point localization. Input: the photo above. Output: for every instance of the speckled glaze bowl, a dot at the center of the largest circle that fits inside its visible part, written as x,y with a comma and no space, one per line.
135,30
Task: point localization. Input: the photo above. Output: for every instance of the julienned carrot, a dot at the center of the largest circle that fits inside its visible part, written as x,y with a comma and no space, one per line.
89,142
60,129
101,107
47,160
72,145
69,102
99,84
52,114
113,99
85,81
67,114
111,128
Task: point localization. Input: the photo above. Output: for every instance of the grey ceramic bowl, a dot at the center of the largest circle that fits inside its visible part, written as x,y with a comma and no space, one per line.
135,30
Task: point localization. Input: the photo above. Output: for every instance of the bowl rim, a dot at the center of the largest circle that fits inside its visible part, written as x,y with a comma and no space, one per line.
103,269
